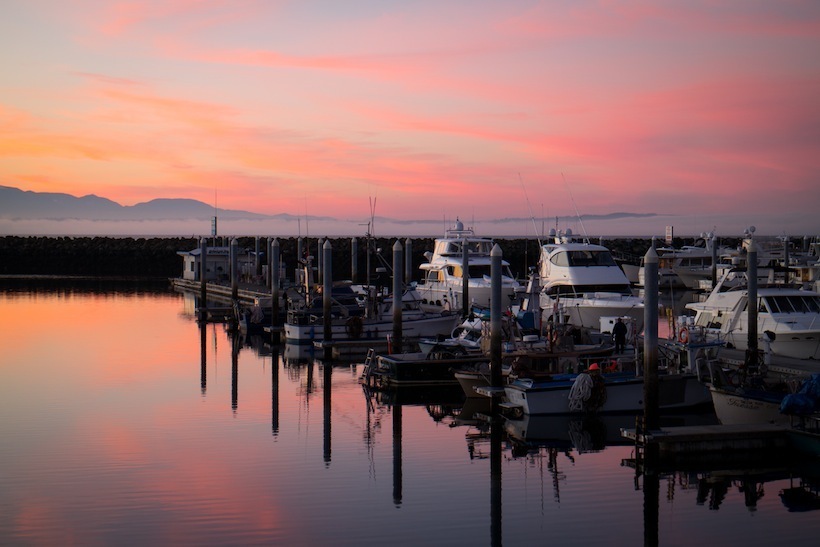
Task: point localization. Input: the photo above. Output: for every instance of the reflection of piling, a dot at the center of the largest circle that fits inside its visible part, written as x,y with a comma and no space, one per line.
465,279
397,297
203,279
203,359
275,282
235,373
328,371
751,273
650,340
397,471
496,426
495,316
327,276
274,399
651,495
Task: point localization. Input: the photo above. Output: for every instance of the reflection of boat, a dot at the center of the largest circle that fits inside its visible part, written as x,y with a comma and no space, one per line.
347,323
790,315
584,282
443,280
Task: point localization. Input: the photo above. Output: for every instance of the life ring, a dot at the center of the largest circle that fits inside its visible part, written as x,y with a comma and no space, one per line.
353,327
683,335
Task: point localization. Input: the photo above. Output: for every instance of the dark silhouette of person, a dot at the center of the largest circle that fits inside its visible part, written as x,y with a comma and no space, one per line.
619,334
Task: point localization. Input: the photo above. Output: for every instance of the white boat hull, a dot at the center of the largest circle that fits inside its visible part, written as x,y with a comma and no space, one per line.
732,408
371,330
587,312
674,392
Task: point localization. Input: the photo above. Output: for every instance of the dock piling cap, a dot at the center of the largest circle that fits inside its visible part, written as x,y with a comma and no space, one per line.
594,366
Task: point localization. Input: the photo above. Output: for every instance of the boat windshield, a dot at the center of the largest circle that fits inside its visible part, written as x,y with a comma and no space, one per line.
578,290
583,258
793,304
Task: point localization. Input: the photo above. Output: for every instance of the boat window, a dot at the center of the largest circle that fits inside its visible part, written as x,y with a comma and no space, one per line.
478,271
455,271
578,290
590,258
773,304
560,259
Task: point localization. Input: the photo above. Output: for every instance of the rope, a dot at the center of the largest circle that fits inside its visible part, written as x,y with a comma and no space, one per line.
580,392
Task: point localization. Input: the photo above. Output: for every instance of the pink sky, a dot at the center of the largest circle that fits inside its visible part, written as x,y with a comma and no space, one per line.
705,112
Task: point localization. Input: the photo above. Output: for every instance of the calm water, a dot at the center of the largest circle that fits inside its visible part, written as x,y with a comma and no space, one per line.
124,422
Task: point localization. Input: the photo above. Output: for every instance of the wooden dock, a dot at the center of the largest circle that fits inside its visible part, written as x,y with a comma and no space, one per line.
712,438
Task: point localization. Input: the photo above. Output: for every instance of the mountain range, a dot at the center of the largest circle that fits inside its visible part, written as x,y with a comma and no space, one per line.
16,204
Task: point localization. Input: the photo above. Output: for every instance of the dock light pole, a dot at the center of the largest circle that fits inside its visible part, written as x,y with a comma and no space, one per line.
203,279
354,259
751,306
234,268
408,260
465,279
714,262
650,340
495,316
274,282
327,277
397,297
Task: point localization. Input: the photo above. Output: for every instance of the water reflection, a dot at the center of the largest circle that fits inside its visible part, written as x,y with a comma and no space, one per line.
105,446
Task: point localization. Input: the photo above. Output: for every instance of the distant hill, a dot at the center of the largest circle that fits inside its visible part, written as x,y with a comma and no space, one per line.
19,204
98,214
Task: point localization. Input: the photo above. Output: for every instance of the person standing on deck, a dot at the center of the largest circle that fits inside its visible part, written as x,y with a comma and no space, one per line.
619,334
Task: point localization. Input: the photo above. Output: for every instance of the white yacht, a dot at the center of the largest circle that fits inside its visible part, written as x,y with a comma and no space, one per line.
443,274
584,282
788,318
686,266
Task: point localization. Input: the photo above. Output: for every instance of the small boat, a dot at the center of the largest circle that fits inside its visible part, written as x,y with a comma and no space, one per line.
583,282
413,369
617,392
444,275
761,400
351,322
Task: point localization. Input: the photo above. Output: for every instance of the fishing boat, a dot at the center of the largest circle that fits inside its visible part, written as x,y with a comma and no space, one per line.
581,283
762,400
617,392
444,274
788,318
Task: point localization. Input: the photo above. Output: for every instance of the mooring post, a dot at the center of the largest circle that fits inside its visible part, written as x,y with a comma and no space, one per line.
354,259
234,269
398,292
495,317
327,287
650,340
274,283
203,279
465,279
714,262
751,273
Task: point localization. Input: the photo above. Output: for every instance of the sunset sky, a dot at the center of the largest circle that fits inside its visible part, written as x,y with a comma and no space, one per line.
707,113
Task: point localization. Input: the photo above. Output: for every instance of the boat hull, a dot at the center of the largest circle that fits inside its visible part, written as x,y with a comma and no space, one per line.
370,330
624,393
733,408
